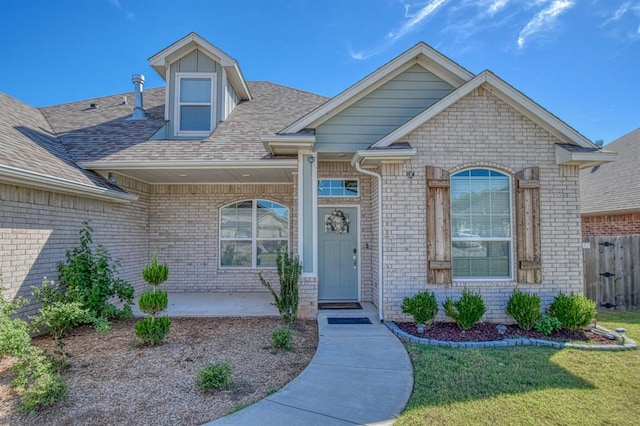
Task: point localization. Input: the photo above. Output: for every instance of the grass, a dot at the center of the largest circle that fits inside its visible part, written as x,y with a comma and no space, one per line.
527,385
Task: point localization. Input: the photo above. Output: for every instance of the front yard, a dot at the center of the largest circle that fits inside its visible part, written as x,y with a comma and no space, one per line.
527,385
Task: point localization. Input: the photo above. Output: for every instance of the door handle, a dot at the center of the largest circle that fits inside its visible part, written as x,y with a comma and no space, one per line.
355,258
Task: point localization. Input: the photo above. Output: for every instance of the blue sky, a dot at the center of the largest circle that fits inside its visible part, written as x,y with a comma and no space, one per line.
580,59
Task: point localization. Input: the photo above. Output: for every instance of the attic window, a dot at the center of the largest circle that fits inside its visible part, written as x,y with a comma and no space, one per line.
194,111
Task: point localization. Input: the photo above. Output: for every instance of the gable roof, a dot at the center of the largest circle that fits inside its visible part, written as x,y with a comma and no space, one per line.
421,54
506,93
613,187
33,156
161,61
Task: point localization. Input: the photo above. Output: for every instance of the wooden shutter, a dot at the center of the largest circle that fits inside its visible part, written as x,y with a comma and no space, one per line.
529,246
438,226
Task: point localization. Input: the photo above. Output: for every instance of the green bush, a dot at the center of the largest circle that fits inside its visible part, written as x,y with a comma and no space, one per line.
155,274
574,312
90,277
214,376
39,385
153,302
466,311
546,324
152,331
289,270
524,308
422,306
281,338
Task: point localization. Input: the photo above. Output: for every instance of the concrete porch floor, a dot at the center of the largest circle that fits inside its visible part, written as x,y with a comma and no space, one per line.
217,305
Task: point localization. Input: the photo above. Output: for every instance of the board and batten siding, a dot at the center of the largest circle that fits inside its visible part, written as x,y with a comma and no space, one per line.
196,61
382,111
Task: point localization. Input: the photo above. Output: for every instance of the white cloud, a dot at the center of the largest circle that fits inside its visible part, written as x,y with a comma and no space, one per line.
543,20
496,6
623,21
129,15
412,22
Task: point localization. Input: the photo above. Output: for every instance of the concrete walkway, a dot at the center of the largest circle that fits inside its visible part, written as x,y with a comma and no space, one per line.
360,374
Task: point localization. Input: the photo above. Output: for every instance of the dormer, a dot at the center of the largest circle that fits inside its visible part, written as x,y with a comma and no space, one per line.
203,85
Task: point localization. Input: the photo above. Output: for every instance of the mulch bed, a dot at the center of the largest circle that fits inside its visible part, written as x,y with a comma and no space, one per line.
448,331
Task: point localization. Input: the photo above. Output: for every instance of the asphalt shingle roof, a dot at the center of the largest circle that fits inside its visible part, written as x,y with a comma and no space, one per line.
104,134
29,143
613,186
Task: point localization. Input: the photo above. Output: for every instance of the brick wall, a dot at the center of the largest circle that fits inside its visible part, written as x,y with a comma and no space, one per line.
479,130
37,227
611,225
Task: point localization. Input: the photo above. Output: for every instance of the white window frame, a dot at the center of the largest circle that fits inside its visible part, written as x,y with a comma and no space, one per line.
178,104
338,196
254,234
510,239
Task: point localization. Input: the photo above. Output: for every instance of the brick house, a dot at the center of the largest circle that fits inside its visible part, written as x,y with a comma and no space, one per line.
610,194
420,176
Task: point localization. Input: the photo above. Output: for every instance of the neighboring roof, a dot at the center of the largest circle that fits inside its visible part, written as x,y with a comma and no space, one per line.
161,61
421,54
505,92
104,135
32,155
613,187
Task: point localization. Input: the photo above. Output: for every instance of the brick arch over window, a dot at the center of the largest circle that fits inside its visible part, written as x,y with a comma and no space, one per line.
526,188
252,232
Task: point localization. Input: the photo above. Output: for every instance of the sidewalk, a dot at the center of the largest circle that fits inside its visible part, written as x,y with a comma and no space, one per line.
360,374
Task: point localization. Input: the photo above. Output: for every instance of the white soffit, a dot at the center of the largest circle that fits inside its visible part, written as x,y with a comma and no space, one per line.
583,158
421,54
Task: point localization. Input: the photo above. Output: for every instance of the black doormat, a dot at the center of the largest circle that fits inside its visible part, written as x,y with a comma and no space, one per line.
341,321
339,305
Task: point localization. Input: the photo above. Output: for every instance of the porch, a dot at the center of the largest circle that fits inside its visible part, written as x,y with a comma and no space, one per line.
202,304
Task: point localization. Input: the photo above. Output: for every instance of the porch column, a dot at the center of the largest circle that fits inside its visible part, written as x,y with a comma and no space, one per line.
308,233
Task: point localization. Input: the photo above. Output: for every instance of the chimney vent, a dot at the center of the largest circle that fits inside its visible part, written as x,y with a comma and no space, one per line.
599,143
138,110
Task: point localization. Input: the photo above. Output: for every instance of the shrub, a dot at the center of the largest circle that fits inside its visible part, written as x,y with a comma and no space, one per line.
289,270
214,376
152,331
153,302
89,277
422,306
466,311
574,312
281,338
546,324
524,308
14,332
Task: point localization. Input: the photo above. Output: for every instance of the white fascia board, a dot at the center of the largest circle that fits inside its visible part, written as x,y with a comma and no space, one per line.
49,183
159,165
288,144
505,92
374,158
419,54
583,159
238,82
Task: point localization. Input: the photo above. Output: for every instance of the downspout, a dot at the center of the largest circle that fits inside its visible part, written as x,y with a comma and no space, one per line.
356,164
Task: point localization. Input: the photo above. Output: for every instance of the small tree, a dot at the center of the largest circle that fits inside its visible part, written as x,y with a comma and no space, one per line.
289,269
467,310
152,330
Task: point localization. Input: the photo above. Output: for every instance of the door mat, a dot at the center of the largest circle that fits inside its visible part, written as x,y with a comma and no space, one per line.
341,321
339,305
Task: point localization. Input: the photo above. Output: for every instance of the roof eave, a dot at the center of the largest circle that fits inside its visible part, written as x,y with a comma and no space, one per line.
506,93
187,164
50,183
583,159
288,145
373,158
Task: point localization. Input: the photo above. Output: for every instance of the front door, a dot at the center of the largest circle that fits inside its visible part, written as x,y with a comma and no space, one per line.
338,253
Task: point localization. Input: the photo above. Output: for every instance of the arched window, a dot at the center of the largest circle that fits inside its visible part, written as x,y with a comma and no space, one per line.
481,236
252,232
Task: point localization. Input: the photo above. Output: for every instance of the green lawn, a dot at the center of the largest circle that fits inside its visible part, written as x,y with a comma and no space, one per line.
526,385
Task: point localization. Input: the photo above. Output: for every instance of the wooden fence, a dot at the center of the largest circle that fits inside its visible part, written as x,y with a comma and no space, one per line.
612,271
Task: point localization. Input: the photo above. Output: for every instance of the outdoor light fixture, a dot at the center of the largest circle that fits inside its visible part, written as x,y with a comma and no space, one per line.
410,174
501,329
311,159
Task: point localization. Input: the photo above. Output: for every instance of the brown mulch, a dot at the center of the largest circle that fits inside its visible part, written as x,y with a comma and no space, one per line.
449,331
112,380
